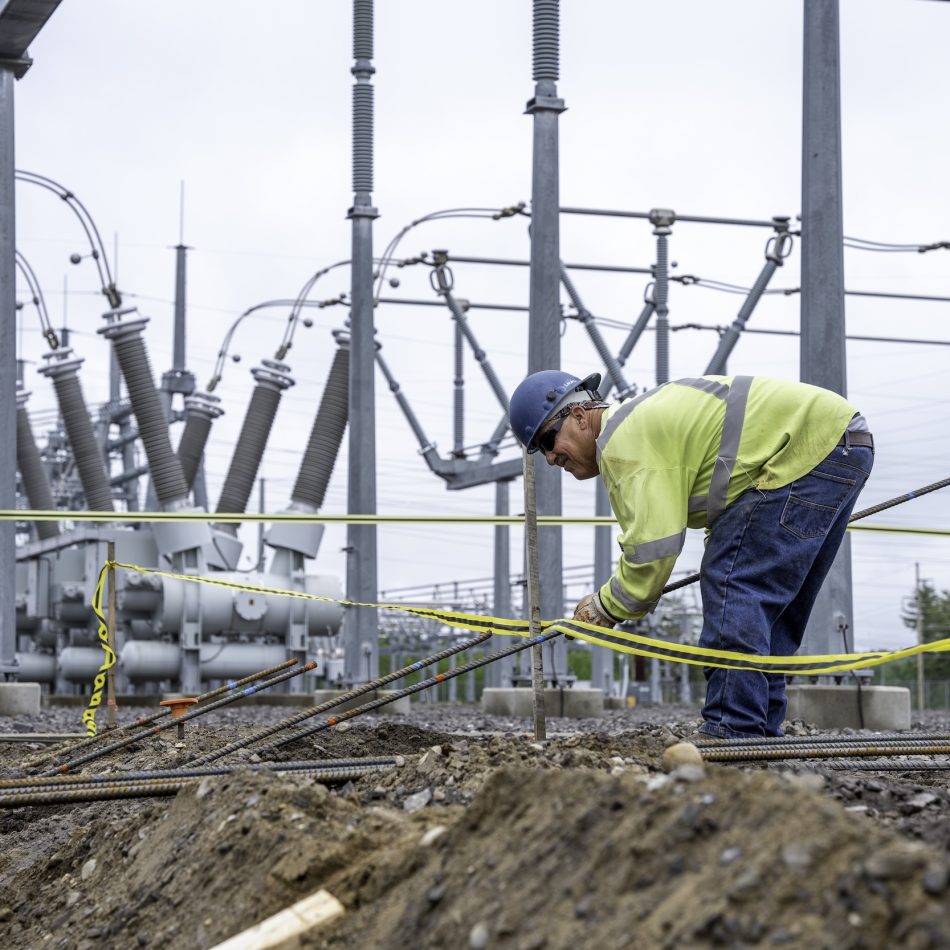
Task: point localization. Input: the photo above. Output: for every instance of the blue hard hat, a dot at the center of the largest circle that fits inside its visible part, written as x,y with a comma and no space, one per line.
538,395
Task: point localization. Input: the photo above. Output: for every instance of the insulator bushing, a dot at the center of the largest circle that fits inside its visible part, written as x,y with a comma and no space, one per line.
546,39
363,137
164,467
272,379
63,369
32,471
362,29
201,410
326,434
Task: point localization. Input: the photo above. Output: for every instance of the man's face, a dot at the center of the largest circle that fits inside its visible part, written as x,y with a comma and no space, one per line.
574,447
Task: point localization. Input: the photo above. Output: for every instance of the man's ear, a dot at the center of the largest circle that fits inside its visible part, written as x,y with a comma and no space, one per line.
581,416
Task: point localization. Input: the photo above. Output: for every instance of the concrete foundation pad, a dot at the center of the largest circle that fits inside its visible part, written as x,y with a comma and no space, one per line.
884,708
19,699
398,707
568,703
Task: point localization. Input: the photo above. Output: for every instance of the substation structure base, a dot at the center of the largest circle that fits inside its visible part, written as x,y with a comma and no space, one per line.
20,699
398,707
518,702
884,708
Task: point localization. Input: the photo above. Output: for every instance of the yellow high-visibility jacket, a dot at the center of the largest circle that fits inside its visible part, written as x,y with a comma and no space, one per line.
678,455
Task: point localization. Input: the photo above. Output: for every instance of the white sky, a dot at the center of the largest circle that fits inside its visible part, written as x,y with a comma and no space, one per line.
681,104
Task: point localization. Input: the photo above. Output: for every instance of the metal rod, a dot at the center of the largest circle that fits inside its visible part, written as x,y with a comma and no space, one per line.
146,721
857,516
712,754
180,720
71,781
856,739
696,219
141,790
336,701
504,261
534,596
409,690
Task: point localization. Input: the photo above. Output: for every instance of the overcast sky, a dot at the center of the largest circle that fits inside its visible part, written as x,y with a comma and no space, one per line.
683,104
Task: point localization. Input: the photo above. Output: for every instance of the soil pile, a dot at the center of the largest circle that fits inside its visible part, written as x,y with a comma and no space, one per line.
486,839
578,859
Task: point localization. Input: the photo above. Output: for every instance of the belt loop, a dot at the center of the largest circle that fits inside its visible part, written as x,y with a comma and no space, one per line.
847,441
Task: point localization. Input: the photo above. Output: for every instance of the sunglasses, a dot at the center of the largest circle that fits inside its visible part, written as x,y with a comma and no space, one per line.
545,441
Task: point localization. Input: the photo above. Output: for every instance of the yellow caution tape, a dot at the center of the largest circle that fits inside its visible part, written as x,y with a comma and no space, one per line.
99,683
290,517
614,639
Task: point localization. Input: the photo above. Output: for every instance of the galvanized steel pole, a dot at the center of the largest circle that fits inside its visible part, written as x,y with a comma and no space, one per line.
499,674
602,661
362,638
8,661
544,309
823,356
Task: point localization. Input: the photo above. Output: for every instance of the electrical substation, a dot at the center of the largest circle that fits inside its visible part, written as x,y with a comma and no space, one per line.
220,743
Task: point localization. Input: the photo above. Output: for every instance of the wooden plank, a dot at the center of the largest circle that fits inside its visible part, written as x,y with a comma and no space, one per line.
280,932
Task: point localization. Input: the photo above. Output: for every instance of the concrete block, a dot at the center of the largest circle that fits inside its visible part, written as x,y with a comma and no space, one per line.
398,707
885,708
20,699
568,703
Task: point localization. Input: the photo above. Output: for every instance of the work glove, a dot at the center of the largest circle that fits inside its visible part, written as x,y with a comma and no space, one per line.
590,609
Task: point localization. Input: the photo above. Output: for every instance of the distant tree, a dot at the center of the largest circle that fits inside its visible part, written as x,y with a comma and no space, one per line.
935,608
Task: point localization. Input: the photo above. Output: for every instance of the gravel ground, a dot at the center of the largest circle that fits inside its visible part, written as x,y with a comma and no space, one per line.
480,837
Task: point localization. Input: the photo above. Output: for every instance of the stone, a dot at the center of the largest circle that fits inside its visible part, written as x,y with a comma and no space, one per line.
88,869
431,836
478,937
895,863
730,855
681,753
688,773
418,800
797,857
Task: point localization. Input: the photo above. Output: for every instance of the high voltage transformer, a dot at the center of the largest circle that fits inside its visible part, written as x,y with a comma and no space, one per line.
170,633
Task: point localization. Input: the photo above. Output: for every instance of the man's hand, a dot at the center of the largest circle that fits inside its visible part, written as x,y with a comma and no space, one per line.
590,610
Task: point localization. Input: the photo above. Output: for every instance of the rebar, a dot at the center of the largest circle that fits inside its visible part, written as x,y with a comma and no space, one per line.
345,697
855,739
872,765
71,781
409,690
181,720
857,516
712,754
145,789
148,720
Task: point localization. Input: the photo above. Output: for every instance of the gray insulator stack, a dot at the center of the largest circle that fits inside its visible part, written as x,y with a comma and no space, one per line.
546,38
326,434
164,467
272,379
32,471
201,410
363,96
63,369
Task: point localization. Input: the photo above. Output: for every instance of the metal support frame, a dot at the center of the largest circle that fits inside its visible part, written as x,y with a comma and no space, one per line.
777,248
823,356
662,220
8,375
544,309
361,638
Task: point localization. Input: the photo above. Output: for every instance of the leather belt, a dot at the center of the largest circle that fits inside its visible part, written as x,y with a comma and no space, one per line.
857,438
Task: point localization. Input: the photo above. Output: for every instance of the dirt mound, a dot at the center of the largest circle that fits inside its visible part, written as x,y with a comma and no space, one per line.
576,858
486,839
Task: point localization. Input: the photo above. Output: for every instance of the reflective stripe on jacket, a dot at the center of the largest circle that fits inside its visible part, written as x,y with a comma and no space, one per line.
678,455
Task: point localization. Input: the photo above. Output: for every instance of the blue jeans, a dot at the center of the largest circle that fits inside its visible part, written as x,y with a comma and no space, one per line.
765,560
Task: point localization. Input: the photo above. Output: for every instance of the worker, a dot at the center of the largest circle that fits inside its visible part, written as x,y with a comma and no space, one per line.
770,468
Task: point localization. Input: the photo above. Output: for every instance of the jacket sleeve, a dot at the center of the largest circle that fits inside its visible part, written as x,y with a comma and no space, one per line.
651,507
